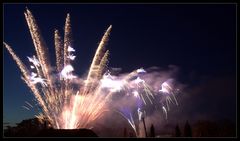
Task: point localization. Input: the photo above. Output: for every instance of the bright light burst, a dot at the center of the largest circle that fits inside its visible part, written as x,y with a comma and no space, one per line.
68,107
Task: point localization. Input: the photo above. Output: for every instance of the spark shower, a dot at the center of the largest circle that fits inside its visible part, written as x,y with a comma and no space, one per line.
67,101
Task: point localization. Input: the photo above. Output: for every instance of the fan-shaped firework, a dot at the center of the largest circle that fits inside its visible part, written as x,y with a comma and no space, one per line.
68,101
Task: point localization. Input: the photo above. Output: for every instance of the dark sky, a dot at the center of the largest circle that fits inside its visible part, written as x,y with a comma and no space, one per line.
200,39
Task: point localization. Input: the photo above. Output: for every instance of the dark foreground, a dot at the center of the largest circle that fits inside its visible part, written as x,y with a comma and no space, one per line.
67,133
58,133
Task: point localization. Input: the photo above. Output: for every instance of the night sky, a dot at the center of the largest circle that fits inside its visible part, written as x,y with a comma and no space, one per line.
199,39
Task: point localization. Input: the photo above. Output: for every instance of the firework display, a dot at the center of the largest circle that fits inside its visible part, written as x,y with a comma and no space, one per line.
68,101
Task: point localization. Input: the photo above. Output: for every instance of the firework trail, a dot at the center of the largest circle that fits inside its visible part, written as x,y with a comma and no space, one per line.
59,50
65,106
98,62
67,39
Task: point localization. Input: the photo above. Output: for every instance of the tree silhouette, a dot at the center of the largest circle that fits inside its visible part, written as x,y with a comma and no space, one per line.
187,130
144,127
125,132
177,131
152,131
27,127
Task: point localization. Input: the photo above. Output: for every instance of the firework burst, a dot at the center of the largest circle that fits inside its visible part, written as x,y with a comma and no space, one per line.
65,106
